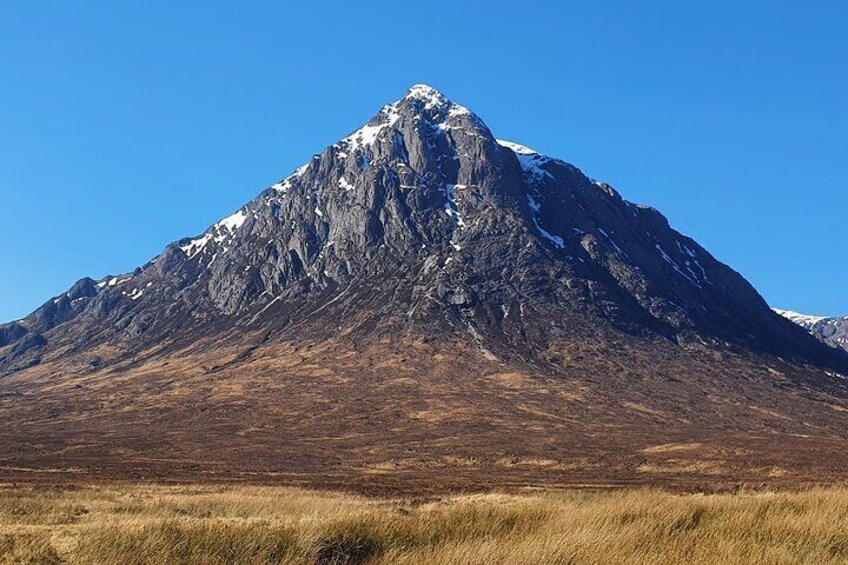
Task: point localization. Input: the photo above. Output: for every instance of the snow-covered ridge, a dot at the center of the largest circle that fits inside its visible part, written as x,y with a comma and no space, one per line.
804,320
368,134
531,160
284,185
233,222
517,147
829,329
218,233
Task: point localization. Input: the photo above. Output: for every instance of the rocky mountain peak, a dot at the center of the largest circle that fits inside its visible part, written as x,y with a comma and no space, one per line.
427,94
425,212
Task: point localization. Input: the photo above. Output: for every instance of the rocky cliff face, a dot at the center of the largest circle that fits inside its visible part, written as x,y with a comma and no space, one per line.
449,229
830,330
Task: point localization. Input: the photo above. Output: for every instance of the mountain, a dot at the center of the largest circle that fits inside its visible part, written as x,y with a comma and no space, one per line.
424,304
831,330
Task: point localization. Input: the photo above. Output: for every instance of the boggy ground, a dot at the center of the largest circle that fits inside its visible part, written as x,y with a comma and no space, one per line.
224,525
417,417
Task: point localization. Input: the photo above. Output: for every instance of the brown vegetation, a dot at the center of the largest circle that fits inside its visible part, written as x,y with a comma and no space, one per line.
146,525
424,418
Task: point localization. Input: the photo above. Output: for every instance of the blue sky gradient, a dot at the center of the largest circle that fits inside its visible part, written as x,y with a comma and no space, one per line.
123,128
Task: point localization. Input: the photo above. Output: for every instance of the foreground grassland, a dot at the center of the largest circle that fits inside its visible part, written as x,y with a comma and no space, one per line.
209,525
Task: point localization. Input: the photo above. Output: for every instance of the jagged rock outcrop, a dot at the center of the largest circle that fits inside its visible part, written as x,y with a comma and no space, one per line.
11,332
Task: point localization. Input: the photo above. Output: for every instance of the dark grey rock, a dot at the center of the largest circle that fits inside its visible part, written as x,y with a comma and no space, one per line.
422,222
11,332
29,342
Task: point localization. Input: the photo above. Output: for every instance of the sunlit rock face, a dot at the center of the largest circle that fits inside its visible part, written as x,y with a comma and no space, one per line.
421,222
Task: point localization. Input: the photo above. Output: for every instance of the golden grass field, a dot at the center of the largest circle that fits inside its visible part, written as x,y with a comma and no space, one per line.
210,525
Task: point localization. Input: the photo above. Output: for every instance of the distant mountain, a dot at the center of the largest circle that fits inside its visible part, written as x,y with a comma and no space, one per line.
418,292
831,330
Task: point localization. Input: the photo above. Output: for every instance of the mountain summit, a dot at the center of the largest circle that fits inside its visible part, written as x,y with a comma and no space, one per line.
473,231
420,251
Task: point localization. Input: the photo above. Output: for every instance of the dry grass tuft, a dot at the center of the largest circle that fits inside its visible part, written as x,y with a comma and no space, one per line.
252,525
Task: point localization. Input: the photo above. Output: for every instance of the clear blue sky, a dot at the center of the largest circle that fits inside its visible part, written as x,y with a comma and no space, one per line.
126,126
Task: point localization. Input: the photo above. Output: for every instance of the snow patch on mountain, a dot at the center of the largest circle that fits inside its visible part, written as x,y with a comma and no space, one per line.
368,134
667,258
613,243
831,330
218,233
535,207
112,281
284,185
435,100
531,160
517,147
451,207
693,259
431,97
804,320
